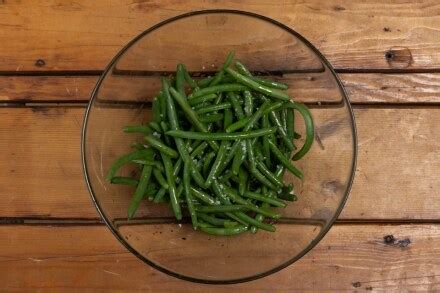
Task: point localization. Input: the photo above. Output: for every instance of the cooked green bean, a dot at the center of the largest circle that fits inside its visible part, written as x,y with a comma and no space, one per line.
270,83
269,175
242,180
160,146
202,99
126,159
160,178
239,157
216,221
217,163
238,125
229,87
235,105
263,198
228,118
258,87
124,181
221,136
220,208
140,191
160,195
310,130
214,108
137,128
202,196
171,186
275,120
242,68
188,195
180,79
155,126
248,103
276,151
225,231
207,162
191,82
205,81
219,76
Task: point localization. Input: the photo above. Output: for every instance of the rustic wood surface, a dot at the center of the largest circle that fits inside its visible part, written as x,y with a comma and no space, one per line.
388,56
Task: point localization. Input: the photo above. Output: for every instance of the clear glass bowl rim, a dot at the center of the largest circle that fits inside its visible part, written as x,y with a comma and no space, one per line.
311,244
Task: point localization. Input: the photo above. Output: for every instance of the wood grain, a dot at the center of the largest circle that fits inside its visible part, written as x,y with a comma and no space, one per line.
362,88
349,258
396,177
351,34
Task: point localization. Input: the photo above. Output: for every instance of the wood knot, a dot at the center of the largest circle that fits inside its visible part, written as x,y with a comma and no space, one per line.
399,57
40,63
356,284
393,241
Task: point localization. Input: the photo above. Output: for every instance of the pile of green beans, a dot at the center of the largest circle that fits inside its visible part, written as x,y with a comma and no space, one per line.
217,150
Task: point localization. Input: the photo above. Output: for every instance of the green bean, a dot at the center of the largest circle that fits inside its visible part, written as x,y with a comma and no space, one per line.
242,181
160,146
205,81
269,175
217,163
220,135
256,116
202,196
273,201
229,87
160,195
287,196
155,126
219,76
137,128
236,105
192,116
126,159
239,157
156,110
216,221
259,218
273,107
237,125
163,106
290,120
310,130
242,68
188,195
281,131
179,191
202,99
188,78
165,127
156,164
124,181
150,191
207,162
228,118
141,187
171,186
270,83
276,151
248,103
260,177
220,208
138,146
242,216
258,87
180,79
213,108
266,148
236,198
160,178
283,120
198,150
224,231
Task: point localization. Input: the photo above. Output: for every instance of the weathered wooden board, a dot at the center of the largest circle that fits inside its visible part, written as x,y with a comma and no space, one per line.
84,35
361,88
349,258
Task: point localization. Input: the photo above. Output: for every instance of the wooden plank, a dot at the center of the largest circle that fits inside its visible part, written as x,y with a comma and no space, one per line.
350,257
76,35
396,176
361,88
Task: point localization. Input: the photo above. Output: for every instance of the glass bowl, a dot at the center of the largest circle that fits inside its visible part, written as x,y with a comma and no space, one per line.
201,40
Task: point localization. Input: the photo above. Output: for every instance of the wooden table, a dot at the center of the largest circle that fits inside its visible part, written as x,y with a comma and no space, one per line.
388,56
